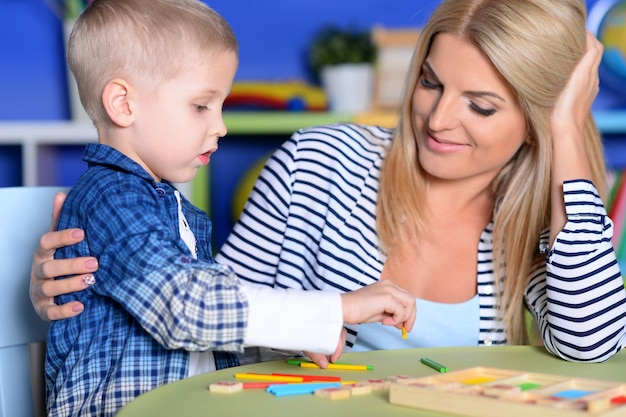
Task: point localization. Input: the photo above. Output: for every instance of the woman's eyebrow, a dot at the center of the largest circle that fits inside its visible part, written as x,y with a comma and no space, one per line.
483,94
472,93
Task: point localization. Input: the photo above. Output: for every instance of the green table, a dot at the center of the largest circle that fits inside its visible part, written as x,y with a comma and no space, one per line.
190,397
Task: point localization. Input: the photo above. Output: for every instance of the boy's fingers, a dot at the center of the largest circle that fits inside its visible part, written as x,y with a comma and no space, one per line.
410,322
319,359
342,342
403,316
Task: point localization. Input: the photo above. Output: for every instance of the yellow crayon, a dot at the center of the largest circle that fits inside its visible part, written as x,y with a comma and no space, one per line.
339,366
263,377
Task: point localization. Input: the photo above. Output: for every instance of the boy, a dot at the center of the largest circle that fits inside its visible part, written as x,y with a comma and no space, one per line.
153,76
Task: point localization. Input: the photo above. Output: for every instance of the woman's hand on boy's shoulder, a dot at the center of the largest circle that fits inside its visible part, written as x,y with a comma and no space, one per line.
43,286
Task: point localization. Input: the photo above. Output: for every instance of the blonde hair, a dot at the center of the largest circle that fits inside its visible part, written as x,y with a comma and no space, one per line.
143,41
535,45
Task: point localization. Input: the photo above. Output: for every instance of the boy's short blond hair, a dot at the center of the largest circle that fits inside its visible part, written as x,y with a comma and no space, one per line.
145,42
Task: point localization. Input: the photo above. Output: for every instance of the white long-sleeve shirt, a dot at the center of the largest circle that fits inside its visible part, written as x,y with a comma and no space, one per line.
310,223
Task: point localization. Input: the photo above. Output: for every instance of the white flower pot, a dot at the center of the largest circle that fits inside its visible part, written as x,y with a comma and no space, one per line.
348,87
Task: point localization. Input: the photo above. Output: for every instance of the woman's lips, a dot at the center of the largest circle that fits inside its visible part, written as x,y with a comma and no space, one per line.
443,146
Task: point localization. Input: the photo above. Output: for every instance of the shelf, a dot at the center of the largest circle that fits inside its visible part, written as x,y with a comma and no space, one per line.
35,137
258,123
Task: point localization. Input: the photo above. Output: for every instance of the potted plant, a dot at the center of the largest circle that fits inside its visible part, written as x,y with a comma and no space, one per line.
343,60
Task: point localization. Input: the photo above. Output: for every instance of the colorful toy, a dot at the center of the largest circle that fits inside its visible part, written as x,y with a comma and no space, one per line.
493,392
473,392
283,96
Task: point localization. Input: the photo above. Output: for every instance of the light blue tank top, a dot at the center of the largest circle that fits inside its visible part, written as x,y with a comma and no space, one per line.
436,325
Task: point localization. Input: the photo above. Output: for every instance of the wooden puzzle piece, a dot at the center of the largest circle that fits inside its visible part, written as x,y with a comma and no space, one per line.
361,389
227,387
376,384
401,378
334,393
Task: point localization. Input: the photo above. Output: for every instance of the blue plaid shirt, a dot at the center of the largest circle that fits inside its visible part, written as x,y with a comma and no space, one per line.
152,301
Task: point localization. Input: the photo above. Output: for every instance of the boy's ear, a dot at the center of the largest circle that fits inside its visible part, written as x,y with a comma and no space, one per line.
117,102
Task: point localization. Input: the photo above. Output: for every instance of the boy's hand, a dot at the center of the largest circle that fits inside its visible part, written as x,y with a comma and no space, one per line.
322,360
382,301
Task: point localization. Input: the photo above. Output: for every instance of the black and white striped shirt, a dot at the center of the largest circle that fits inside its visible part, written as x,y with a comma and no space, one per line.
310,223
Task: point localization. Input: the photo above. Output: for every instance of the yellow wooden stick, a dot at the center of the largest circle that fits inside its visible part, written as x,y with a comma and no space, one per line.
339,366
263,377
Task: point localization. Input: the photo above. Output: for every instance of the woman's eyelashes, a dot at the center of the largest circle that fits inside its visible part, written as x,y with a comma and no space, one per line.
435,85
482,111
430,84
200,108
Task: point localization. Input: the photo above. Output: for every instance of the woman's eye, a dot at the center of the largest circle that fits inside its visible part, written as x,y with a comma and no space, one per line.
200,108
481,111
429,84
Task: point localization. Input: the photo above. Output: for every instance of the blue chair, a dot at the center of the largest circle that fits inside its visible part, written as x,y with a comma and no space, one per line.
24,216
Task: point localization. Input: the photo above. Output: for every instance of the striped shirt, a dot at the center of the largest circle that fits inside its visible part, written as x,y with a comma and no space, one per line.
310,223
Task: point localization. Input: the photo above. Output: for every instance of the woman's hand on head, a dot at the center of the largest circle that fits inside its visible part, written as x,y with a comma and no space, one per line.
567,124
43,286
574,103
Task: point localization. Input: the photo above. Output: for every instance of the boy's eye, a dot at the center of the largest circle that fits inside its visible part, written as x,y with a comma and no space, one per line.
200,108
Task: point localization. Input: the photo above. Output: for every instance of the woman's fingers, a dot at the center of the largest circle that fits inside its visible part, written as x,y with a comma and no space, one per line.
44,270
53,312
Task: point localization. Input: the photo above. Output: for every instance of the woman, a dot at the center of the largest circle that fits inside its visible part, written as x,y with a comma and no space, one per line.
485,201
